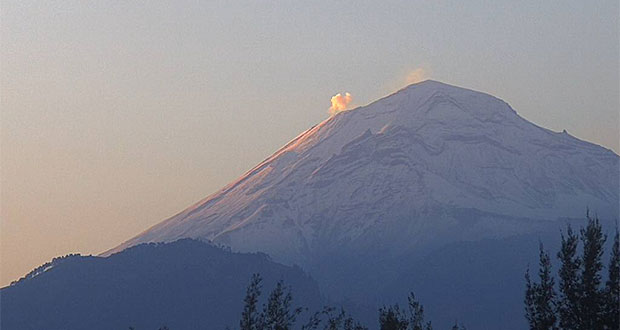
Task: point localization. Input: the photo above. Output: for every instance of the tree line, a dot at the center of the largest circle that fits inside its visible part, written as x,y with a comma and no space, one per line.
278,314
580,300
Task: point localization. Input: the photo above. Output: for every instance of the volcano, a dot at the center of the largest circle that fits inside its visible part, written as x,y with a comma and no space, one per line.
375,174
367,196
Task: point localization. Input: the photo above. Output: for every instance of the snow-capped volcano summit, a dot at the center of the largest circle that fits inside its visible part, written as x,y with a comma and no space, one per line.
430,164
435,188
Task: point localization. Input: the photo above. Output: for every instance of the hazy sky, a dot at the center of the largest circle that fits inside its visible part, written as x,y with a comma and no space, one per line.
118,114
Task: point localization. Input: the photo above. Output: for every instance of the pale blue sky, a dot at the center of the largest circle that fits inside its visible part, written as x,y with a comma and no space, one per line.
117,114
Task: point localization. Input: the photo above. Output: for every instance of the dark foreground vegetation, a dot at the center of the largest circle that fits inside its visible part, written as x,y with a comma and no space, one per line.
278,313
583,298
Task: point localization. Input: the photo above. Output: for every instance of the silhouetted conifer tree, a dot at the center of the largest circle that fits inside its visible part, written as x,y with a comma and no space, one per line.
568,303
584,303
277,314
540,297
416,315
250,316
592,295
332,321
612,288
530,301
391,318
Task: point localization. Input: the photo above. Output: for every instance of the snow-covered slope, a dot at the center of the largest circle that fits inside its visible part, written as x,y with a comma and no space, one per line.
428,165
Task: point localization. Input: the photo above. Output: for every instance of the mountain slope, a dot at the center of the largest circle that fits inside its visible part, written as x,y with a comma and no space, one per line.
185,285
377,173
369,198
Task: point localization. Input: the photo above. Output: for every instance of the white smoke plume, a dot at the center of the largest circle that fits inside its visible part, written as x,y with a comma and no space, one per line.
340,103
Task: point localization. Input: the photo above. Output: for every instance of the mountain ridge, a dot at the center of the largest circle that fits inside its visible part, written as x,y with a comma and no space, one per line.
435,188
432,115
185,284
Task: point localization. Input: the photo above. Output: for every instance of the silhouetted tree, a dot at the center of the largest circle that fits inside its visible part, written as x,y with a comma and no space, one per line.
391,318
277,314
332,321
540,297
592,296
612,288
568,303
583,303
416,315
250,316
